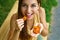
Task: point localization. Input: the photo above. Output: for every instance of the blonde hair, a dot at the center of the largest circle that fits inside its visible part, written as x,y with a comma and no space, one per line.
24,34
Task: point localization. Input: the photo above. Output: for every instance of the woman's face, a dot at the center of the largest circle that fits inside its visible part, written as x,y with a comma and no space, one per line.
29,8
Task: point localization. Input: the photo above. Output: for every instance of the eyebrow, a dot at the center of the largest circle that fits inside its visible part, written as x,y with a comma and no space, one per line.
32,3
23,3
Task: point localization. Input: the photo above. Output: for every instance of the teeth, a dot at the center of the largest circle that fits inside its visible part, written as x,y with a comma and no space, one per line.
28,14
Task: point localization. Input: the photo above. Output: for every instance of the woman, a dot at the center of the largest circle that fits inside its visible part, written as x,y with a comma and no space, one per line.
22,28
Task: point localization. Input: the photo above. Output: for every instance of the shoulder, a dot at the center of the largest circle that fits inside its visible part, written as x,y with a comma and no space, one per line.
42,12
14,16
13,21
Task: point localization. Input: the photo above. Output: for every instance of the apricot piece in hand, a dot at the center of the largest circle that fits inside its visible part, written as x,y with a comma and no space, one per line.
24,18
36,29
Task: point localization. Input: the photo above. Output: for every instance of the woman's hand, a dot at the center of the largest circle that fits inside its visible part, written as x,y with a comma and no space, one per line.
20,24
43,21
41,28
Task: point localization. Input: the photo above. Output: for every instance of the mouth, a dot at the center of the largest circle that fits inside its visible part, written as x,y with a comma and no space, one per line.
29,15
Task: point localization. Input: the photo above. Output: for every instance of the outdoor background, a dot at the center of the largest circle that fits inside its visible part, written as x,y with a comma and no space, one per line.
52,8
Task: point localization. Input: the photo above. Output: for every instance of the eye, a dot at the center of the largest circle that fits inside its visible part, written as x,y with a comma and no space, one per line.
33,5
24,5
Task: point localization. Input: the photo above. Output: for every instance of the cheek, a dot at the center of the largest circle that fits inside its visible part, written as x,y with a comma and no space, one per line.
23,11
35,10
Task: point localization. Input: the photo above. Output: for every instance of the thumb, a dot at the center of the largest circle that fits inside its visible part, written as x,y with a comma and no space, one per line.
33,34
41,26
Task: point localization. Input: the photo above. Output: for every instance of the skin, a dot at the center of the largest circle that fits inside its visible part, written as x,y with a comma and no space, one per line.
28,9
32,8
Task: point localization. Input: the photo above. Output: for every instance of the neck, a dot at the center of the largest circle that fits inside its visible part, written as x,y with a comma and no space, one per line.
30,23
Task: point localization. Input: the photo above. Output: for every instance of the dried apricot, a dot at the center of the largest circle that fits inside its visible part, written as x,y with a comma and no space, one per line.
36,29
24,18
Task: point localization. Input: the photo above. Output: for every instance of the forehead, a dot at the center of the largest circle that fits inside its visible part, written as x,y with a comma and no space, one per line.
29,1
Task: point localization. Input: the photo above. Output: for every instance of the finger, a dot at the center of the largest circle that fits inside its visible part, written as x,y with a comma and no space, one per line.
21,27
41,26
20,24
19,20
32,34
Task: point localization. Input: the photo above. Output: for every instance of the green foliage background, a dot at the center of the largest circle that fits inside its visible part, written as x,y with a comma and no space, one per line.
48,4
6,5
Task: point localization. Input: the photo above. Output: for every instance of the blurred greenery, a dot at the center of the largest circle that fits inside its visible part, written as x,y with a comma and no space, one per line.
6,5
48,5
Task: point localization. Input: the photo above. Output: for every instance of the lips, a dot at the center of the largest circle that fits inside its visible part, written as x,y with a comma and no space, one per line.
29,15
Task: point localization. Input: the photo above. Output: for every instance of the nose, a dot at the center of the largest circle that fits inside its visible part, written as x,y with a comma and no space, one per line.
29,10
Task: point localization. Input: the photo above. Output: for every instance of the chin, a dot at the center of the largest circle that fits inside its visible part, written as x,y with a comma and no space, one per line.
29,18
